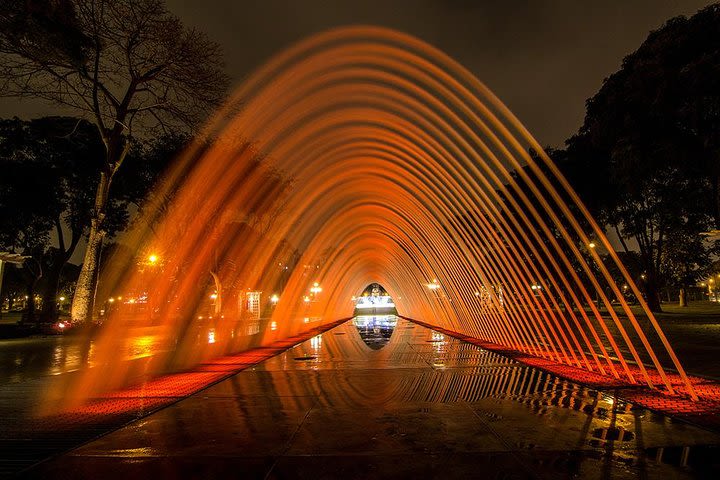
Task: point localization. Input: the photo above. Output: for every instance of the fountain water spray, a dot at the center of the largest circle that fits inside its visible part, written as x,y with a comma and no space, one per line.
364,155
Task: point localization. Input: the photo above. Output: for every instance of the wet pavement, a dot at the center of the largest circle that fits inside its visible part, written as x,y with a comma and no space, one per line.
362,401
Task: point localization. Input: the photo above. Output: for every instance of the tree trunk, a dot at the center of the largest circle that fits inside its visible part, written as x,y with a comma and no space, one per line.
30,317
83,301
683,298
653,297
50,289
716,199
82,304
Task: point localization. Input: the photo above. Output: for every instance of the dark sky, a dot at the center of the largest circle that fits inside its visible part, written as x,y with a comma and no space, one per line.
543,58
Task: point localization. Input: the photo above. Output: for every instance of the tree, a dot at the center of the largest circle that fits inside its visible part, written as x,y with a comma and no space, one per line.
52,166
651,138
129,66
29,203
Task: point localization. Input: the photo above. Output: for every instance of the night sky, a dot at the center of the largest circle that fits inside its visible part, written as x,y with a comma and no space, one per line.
543,58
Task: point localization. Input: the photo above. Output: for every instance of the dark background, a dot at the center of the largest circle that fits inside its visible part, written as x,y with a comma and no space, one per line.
543,58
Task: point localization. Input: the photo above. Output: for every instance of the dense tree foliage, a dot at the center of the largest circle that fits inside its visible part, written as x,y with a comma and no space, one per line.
647,158
128,66
50,170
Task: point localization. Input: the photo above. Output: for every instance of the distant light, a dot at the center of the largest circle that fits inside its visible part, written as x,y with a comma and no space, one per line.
591,244
62,299
153,258
275,299
434,285
477,294
61,325
213,296
306,299
111,300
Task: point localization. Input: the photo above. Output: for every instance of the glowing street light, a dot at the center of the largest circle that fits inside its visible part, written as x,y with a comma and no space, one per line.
152,259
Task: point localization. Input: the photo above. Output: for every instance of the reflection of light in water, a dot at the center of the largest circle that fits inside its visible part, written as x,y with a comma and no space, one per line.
91,355
57,360
316,342
211,335
141,346
253,327
375,330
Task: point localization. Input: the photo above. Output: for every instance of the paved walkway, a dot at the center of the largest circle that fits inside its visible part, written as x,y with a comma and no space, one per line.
420,406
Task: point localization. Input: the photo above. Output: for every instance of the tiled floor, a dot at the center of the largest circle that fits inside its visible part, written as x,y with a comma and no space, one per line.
422,406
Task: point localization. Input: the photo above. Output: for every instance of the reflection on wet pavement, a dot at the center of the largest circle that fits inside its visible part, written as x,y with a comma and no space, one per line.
422,406
28,358
375,330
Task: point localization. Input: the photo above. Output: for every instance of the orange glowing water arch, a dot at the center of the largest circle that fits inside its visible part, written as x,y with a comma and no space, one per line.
404,169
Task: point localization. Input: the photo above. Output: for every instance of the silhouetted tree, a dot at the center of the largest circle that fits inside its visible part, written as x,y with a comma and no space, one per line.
50,169
648,153
126,65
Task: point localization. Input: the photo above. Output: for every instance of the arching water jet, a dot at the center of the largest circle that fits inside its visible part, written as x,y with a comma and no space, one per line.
365,155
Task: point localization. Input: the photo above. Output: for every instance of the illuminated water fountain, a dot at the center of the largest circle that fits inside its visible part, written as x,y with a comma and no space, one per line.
359,156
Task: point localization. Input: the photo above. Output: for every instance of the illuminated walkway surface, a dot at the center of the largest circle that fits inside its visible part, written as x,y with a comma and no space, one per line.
422,406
